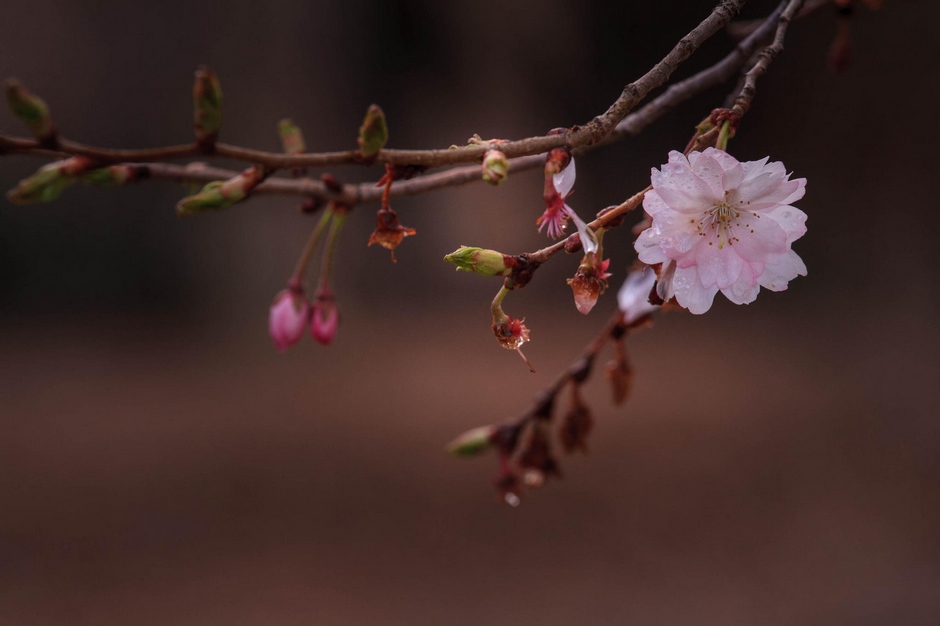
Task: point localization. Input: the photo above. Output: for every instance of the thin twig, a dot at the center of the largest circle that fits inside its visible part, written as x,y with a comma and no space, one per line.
743,102
584,135
630,126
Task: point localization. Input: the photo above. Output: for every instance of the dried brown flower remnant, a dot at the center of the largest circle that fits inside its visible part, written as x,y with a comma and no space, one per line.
589,282
388,231
511,333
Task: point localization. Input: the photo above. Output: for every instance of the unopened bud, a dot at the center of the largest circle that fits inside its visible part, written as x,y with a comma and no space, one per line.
473,442
49,181
324,319
481,261
292,139
287,318
373,134
31,110
495,167
207,107
222,194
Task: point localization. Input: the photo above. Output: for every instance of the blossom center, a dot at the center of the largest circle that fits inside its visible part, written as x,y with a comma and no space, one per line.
720,221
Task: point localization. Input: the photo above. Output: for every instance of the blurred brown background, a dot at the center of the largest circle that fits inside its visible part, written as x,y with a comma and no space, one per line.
161,464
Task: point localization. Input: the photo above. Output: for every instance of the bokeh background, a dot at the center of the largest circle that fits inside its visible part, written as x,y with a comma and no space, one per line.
160,463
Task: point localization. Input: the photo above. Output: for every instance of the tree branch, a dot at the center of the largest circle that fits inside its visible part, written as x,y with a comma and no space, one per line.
585,135
351,195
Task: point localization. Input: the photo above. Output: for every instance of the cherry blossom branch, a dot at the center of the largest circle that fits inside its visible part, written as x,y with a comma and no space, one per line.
349,195
782,17
583,135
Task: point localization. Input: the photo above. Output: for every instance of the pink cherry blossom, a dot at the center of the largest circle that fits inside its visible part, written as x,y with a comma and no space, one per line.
721,225
287,319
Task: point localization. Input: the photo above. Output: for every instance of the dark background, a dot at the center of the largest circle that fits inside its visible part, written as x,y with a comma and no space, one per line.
160,463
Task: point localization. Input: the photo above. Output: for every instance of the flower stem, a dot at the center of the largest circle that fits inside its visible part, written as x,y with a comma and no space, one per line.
496,307
329,251
297,278
724,136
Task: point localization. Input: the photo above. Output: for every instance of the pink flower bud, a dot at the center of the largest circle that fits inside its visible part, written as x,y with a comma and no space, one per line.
324,321
288,319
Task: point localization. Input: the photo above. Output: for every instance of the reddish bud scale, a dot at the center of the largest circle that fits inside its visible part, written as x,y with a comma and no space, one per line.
536,460
523,270
576,425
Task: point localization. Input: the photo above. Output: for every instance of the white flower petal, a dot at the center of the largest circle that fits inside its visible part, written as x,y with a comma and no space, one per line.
781,269
681,189
648,249
718,266
633,297
664,284
653,203
564,180
744,290
690,293
790,219
588,238
709,171
756,236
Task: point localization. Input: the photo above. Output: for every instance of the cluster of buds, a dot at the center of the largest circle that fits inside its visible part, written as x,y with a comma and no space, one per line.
49,181
292,314
524,447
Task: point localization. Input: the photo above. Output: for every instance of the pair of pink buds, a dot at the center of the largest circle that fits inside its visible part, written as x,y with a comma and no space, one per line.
291,313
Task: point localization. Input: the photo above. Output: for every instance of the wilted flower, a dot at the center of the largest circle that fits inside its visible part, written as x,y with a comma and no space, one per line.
287,319
719,224
589,281
388,231
511,334
559,181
